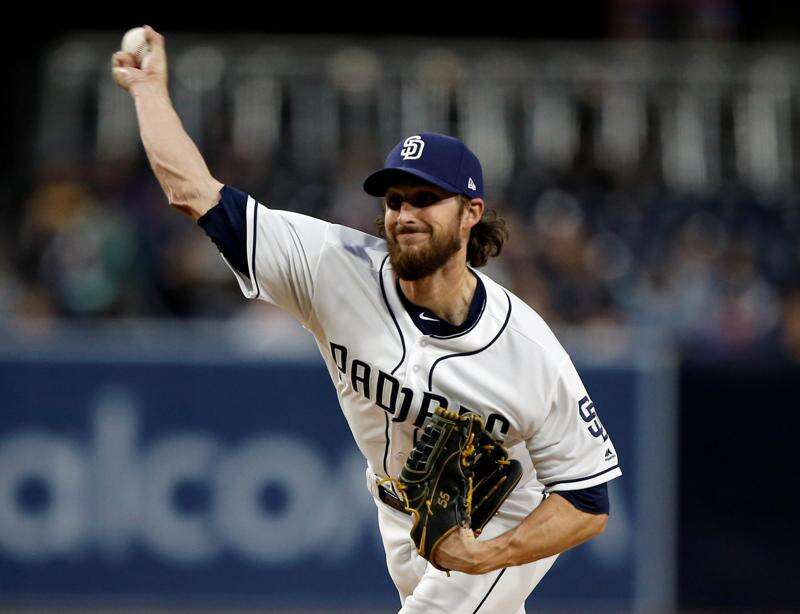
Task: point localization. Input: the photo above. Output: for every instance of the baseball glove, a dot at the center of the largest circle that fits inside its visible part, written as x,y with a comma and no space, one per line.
457,475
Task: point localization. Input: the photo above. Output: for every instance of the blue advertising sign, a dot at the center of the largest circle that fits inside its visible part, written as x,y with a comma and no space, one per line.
236,480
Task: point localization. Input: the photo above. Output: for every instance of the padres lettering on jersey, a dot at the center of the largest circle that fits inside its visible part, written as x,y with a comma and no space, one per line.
508,367
390,395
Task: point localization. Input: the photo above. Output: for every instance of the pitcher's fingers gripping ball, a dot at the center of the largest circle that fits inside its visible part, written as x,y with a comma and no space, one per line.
135,42
141,57
456,476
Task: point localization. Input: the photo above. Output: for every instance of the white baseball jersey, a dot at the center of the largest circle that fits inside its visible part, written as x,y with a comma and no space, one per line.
507,366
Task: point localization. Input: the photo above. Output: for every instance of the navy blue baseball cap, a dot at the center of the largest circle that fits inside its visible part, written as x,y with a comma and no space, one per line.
441,160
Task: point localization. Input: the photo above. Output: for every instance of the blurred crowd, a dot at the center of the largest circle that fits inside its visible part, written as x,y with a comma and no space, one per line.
721,271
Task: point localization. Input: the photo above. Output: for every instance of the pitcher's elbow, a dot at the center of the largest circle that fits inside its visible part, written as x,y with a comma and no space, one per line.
194,200
599,524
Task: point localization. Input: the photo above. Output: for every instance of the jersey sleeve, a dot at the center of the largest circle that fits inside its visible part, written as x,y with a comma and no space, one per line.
571,449
592,500
278,253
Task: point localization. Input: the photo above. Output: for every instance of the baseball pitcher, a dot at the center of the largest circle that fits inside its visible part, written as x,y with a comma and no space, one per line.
485,455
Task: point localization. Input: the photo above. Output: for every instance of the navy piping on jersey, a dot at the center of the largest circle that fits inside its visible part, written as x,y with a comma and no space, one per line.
441,329
386,448
491,588
391,313
588,477
402,358
478,351
255,236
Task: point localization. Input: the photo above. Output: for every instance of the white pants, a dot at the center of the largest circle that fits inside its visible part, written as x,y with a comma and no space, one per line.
424,589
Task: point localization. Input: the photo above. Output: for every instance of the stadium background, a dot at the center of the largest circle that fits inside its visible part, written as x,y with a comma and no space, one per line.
645,155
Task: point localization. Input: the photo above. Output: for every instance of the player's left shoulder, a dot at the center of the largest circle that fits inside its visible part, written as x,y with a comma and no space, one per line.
525,326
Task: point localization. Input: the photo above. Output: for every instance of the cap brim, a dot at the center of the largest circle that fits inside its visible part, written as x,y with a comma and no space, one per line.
380,181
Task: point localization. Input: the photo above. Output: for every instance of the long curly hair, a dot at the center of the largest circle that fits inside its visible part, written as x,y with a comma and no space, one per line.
486,238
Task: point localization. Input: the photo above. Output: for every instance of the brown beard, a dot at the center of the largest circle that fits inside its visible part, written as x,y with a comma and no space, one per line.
414,264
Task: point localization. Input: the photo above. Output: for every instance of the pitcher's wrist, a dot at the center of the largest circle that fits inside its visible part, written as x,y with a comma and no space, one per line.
148,87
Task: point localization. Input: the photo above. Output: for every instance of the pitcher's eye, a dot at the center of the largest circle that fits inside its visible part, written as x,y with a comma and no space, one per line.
394,201
424,199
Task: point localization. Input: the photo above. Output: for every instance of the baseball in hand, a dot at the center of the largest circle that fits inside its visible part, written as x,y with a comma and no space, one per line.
134,42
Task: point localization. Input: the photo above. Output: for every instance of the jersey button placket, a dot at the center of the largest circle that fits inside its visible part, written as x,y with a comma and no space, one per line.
421,359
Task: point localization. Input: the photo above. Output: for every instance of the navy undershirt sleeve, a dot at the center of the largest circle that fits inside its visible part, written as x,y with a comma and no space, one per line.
593,500
225,223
